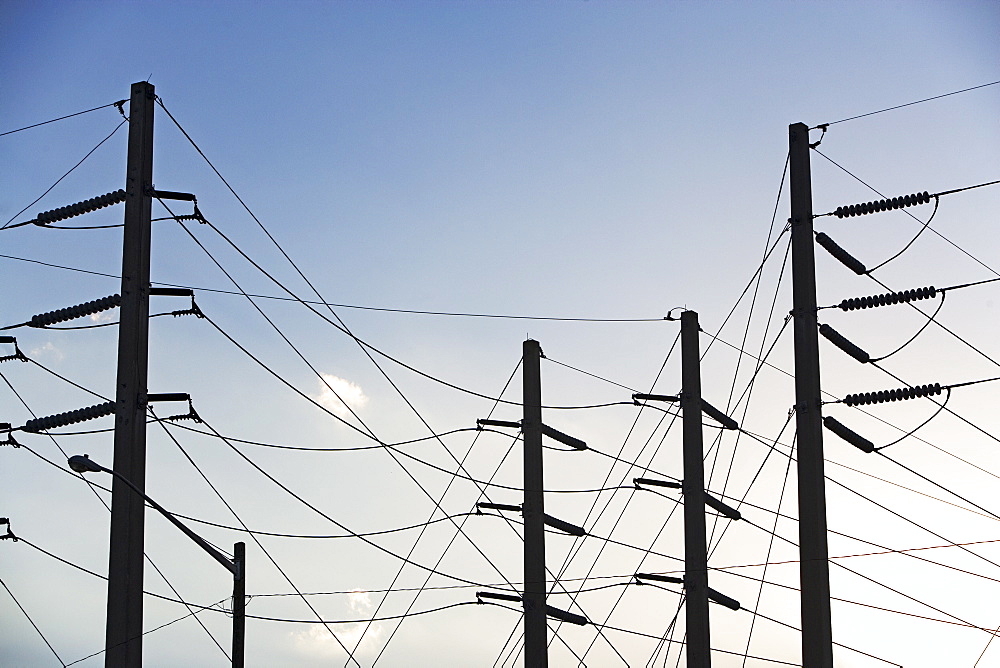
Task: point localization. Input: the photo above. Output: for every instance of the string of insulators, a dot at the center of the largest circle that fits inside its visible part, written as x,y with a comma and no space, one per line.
80,208
901,394
837,339
78,311
72,417
845,258
888,299
882,205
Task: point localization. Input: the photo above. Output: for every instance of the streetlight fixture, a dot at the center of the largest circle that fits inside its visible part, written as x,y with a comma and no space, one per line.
236,565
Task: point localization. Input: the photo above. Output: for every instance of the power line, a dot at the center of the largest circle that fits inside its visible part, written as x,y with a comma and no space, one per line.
255,539
908,104
33,624
8,225
92,487
872,188
118,104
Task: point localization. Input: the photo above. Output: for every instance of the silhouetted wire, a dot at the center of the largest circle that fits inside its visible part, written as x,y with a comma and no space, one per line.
577,545
413,546
333,521
81,227
908,104
257,532
859,180
795,628
485,484
331,304
932,400
666,639
431,588
922,424
252,536
988,643
747,393
877,582
358,621
889,510
342,327
93,488
936,484
339,325
923,227
350,449
869,414
8,225
60,266
920,331
33,624
942,290
592,375
742,500
102,324
191,613
678,642
62,118
767,558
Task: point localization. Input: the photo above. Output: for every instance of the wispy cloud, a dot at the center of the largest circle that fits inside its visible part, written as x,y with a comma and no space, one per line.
318,642
350,395
47,350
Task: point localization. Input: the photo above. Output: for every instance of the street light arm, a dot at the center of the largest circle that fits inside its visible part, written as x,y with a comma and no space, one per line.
83,463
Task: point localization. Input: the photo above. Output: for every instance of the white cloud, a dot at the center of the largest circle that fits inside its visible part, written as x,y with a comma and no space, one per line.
47,350
359,601
350,394
319,643
102,317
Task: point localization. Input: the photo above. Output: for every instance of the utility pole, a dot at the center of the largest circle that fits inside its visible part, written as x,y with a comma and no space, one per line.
239,603
124,618
533,509
695,547
814,568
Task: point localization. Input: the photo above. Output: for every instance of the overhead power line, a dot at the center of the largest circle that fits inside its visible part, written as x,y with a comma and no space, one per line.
118,104
907,104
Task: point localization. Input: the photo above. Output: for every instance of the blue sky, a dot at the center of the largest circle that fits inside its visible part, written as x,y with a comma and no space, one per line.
562,159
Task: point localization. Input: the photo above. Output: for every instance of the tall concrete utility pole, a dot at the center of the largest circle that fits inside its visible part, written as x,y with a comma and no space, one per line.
695,547
535,627
814,567
124,620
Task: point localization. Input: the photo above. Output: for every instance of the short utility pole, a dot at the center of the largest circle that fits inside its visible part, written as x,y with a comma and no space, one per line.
699,652
236,565
123,641
696,590
533,510
536,610
814,567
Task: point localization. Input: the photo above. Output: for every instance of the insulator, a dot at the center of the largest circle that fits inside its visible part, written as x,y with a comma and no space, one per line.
78,311
717,415
80,208
882,205
836,251
855,439
888,299
901,394
72,417
834,337
722,599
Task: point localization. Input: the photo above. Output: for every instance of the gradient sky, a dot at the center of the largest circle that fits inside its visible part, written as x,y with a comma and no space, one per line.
602,160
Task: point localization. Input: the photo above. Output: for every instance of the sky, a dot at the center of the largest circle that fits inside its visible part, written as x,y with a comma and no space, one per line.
425,167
